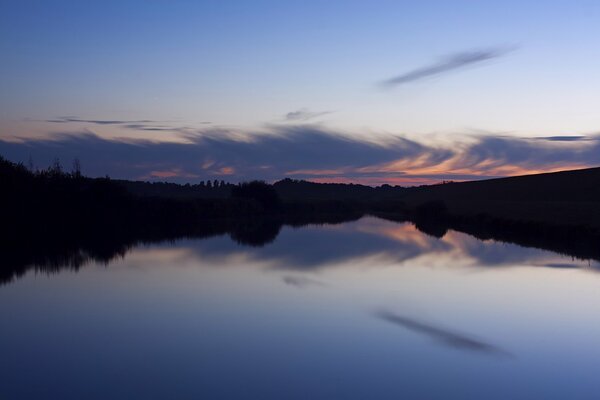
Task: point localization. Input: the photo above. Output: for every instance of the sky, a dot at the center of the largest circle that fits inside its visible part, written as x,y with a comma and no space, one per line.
397,92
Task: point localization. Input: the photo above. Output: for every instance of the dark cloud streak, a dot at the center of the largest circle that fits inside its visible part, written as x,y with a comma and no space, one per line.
448,338
66,120
140,125
451,63
304,115
564,138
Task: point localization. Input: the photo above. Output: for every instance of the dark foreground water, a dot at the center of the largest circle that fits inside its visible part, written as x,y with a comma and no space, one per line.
363,310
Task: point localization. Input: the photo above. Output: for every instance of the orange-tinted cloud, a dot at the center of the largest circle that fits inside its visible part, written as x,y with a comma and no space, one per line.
225,171
172,173
308,152
163,174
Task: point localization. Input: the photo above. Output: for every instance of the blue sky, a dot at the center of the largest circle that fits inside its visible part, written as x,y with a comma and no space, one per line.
241,67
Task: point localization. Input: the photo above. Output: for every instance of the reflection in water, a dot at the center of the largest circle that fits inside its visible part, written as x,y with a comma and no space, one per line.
301,281
308,248
446,337
210,317
561,265
374,241
52,253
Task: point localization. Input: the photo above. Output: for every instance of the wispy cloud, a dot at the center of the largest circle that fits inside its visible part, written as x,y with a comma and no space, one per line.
268,155
309,152
446,337
564,138
152,128
304,115
66,120
138,125
447,64
499,151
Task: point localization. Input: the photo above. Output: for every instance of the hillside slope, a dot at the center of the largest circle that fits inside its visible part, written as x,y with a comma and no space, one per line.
559,198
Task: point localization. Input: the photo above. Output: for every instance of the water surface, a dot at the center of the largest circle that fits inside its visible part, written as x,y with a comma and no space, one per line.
369,309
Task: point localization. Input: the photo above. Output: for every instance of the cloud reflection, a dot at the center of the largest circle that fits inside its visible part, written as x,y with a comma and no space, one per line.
371,241
363,243
448,338
301,282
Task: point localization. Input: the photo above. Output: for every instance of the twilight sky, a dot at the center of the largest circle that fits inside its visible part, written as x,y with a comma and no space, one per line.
372,92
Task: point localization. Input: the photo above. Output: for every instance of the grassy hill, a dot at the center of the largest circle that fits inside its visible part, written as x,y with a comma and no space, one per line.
570,198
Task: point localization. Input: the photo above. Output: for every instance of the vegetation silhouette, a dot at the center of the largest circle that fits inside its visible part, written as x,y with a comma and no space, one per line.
53,218
264,194
429,216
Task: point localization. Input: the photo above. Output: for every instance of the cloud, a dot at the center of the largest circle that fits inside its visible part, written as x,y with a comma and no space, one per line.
497,151
450,63
143,127
563,138
448,338
66,120
304,115
139,125
263,155
307,152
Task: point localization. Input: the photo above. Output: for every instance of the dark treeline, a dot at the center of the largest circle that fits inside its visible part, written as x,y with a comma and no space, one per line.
53,201
212,189
52,218
298,190
287,189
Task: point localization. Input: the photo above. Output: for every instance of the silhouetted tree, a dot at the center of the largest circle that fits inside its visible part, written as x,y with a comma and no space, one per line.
76,171
55,170
259,191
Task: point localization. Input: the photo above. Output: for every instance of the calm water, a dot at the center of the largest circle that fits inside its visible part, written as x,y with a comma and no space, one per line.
363,310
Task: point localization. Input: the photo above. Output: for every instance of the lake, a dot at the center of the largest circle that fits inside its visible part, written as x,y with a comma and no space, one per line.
369,309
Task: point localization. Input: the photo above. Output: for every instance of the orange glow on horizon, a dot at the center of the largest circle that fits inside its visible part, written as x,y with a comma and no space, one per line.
421,171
